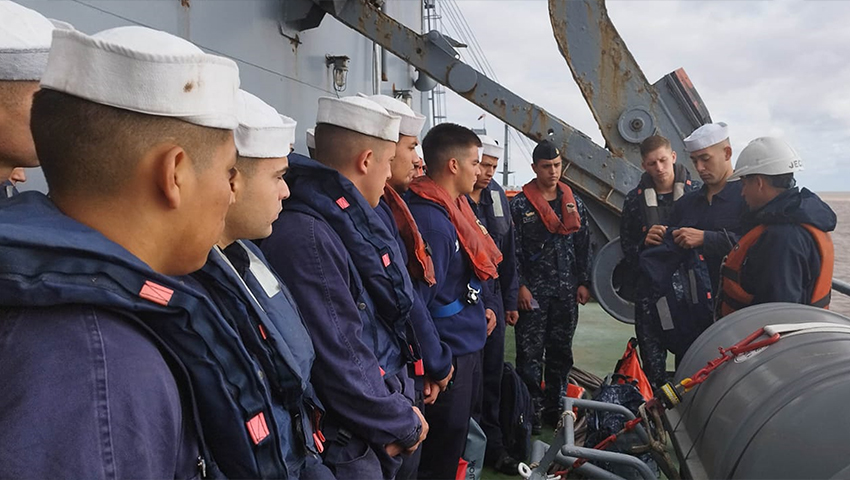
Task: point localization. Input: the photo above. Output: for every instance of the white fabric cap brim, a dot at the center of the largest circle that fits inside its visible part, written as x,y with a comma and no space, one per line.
491,146
289,125
25,37
411,122
23,65
311,138
706,136
198,88
359,115
262,131
411,126
494,151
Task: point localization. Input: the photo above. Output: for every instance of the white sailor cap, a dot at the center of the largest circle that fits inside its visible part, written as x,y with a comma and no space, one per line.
262,132
146,71
24,42
411,122
311,138
706,136
360,115
491,146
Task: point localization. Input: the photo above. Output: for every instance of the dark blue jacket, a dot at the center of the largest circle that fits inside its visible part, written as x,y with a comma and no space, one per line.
271,329
784,263
720,220
436,354
359,370
91,389
550,265
466,331
494,212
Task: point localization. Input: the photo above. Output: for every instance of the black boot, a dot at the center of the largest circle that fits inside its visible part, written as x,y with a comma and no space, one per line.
507,465
537,421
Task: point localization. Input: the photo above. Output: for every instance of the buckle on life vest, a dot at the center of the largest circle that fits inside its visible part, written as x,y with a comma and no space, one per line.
473,295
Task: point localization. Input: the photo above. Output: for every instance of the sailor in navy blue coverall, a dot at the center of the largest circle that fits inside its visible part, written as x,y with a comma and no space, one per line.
710,218
464,331
490,204
268,322
343,268
432,373
90,389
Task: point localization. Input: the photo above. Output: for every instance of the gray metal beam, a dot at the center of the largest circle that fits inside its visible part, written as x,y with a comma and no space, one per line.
626,106
602,177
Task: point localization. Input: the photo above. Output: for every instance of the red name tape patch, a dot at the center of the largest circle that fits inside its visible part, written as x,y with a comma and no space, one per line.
156,293
257,428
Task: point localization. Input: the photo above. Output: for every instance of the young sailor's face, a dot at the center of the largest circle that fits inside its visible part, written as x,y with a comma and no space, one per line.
548,171
713,163
659,164
259,190
403,168
488,170
468,169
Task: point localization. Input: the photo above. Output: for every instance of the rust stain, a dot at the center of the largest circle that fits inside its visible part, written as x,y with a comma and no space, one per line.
190,85
185,4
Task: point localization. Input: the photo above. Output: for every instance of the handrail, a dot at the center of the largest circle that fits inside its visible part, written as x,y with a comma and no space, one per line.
841,286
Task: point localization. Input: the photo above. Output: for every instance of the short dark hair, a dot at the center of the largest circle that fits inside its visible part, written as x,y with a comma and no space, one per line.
782,182
653,143
84,146
446,141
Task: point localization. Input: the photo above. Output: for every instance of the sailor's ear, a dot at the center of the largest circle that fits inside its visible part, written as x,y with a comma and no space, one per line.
727,150
453,165
364,160
761,181
673,157
237,182
173,171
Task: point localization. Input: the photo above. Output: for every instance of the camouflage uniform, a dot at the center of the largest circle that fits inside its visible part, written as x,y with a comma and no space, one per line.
552,267
633,228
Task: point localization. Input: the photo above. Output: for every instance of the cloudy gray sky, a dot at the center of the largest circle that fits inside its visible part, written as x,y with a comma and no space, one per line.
778,67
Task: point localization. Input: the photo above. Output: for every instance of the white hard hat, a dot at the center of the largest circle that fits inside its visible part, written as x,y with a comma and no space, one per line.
767,156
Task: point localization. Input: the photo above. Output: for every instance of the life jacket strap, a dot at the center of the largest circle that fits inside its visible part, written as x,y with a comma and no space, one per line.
471,297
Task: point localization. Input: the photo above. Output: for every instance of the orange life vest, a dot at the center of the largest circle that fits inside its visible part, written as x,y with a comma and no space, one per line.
733,296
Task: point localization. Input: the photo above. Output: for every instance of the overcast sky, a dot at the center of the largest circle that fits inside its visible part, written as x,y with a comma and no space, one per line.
777,67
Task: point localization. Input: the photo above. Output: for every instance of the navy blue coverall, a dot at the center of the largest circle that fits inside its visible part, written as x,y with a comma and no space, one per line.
464,332
720,220
493,210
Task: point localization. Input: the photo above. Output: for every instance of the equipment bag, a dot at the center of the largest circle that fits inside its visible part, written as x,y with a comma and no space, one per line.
600,425
470,464
680,299
515,414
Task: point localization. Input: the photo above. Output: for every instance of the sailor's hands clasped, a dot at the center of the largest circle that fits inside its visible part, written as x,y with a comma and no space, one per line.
655,235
